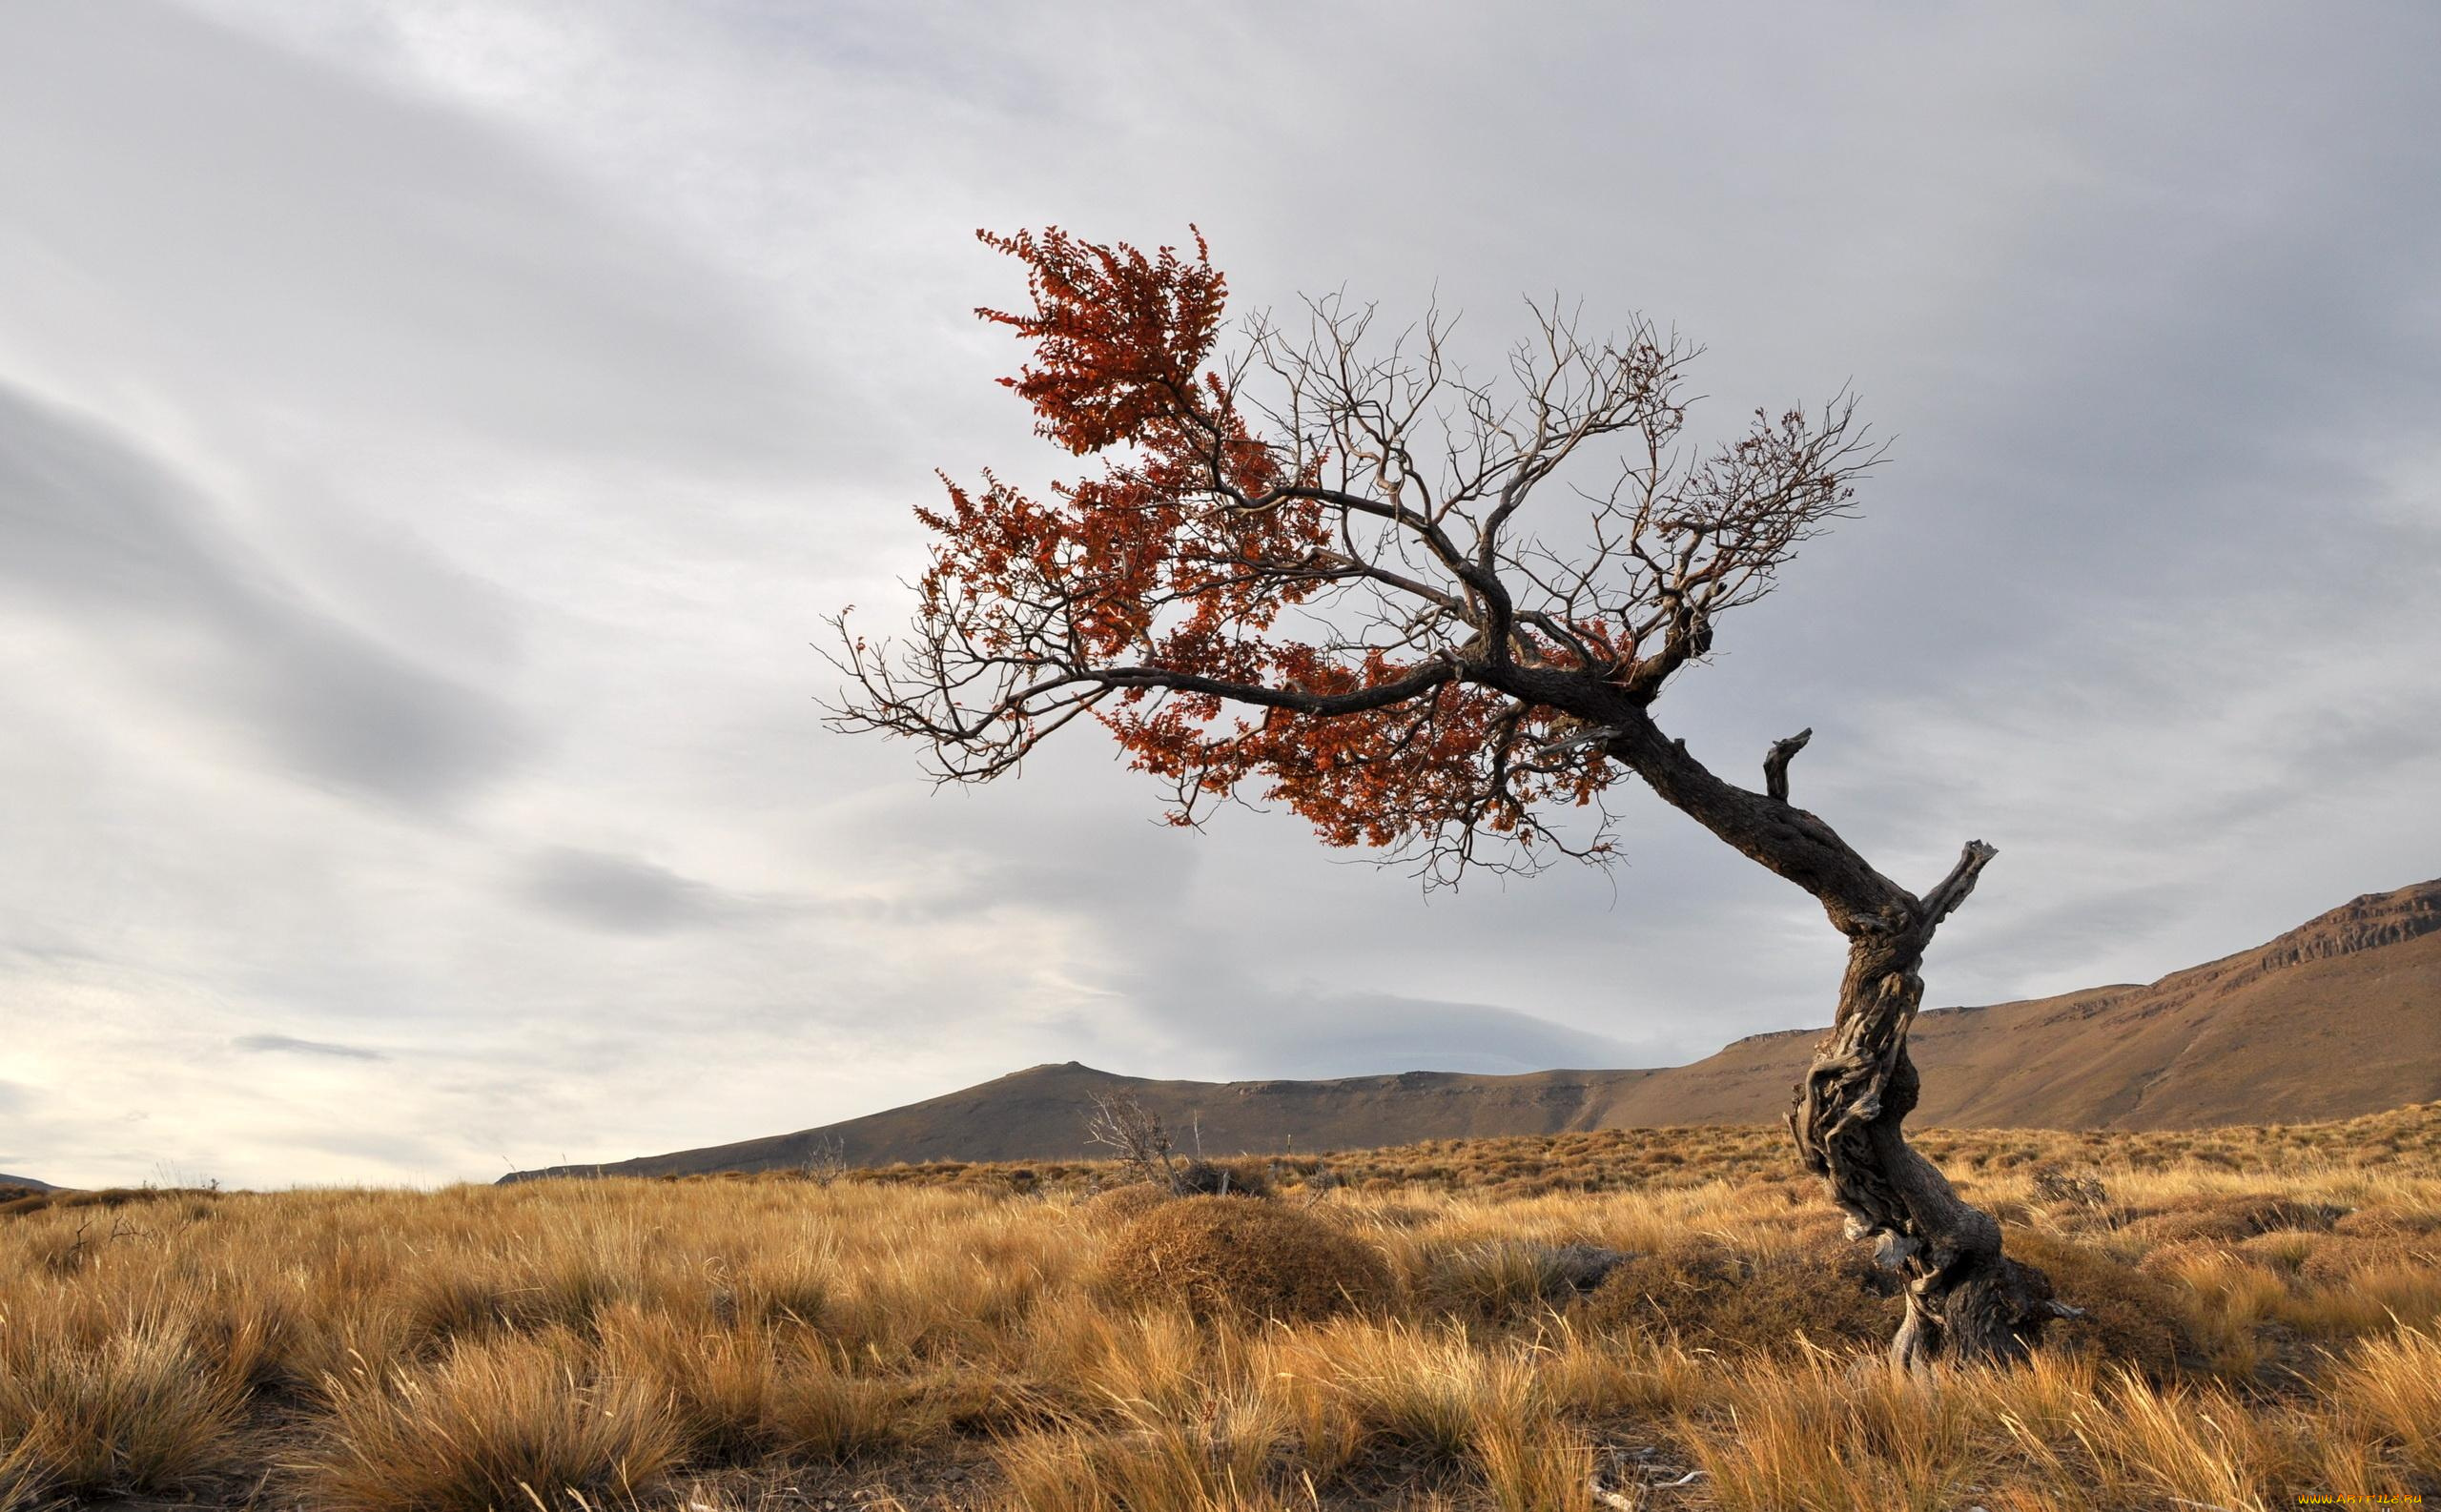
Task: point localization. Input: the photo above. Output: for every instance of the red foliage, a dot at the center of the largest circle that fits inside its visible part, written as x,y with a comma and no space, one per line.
1183,559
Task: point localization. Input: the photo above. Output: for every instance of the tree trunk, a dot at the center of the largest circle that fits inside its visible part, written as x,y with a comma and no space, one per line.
1965,1300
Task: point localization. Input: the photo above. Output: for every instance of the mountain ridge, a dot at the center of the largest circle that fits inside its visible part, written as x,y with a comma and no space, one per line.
2337,1017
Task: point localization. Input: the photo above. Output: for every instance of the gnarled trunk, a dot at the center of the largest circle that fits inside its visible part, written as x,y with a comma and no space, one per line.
1965,1300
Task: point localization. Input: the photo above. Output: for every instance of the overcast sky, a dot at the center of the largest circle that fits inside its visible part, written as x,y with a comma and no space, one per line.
431,434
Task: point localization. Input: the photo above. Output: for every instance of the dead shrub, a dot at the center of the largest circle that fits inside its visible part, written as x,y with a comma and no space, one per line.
1219,1256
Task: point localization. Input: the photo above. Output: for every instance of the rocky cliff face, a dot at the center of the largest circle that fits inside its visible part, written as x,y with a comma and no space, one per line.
2367,922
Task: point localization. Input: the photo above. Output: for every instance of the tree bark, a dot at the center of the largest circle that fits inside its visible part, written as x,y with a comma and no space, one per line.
1965,1300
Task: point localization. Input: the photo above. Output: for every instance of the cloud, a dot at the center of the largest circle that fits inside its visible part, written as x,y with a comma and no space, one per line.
286,1044
361,254
1219,1014
623,896
430,434
119,546
1363,1034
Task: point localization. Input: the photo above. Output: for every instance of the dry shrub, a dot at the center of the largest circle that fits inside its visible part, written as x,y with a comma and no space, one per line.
1116,1205
1707,1294
1219,1256
492,1420
2131,1317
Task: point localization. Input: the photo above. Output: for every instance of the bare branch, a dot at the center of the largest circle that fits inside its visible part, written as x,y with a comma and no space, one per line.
1341,525
1776,764
1943,901
1118,1121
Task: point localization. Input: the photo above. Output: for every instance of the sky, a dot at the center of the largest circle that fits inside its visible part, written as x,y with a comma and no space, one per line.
432,434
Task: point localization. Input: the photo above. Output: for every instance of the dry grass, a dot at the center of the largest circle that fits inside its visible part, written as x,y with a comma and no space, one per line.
2266,1323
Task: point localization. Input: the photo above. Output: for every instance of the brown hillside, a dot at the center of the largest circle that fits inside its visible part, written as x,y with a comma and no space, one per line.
1035,1114
2339,1017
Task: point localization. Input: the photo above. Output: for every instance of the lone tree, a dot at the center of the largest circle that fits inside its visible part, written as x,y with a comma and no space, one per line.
1303,573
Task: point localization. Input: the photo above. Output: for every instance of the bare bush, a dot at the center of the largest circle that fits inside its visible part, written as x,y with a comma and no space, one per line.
1119,1122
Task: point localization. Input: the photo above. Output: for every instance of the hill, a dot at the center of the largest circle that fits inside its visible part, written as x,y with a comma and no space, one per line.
2338,1017
27,1184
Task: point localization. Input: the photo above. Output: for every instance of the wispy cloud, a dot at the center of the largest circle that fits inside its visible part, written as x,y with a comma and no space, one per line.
289,1044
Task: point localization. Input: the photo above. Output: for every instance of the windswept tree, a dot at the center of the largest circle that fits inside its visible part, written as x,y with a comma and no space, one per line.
1321,570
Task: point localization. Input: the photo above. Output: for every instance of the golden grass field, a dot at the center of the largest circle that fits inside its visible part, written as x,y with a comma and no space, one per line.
2267,1326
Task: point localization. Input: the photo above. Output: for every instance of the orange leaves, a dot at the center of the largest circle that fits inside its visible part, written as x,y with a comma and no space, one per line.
1118,336
1157,593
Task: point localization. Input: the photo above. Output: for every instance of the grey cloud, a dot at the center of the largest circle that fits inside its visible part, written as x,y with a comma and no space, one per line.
1232,1023
1359,1033
289,1044
624,895
366,251
115,542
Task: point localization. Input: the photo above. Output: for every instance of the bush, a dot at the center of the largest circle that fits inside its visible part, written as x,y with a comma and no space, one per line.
1219,1256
